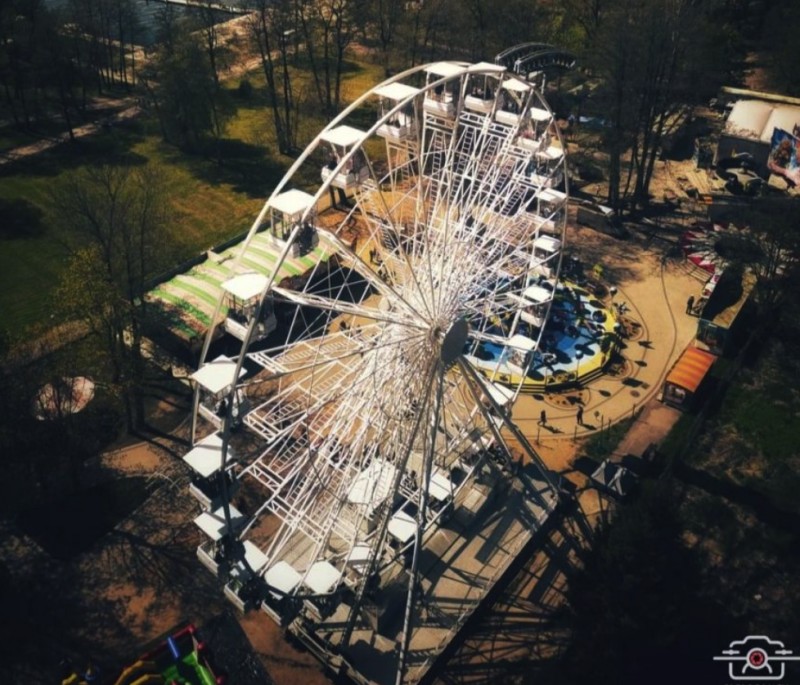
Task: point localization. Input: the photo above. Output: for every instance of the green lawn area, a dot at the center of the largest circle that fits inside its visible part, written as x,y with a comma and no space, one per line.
208,206
211,203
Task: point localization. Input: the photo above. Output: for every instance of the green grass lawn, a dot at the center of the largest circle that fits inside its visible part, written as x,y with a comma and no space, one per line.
211,202
208,208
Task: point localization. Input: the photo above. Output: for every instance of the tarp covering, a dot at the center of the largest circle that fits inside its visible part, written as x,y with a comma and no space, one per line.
690,370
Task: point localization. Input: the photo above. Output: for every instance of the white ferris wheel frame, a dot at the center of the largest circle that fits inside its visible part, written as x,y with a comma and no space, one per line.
451,393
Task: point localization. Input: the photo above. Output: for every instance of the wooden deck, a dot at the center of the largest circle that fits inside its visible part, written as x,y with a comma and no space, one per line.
463,560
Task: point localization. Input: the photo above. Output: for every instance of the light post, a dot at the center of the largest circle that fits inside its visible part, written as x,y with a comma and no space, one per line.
578,357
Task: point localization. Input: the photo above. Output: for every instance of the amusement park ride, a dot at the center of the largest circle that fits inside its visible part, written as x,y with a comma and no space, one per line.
365,422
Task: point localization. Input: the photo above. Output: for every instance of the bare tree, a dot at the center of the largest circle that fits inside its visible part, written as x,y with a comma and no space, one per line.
119,214
328,28
643,53
271,28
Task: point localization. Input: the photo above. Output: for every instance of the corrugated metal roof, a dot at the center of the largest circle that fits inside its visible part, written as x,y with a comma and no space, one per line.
690,370
756,119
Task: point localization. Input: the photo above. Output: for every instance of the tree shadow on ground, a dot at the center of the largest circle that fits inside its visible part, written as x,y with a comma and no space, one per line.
103,147
69,526
592,247
20,219
758,503
638,609
246,167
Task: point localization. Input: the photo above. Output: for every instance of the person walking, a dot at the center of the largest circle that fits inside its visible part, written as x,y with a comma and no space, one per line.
579,415
690,304
543,418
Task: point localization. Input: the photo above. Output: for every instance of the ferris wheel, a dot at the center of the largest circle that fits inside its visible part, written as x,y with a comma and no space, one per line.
388,319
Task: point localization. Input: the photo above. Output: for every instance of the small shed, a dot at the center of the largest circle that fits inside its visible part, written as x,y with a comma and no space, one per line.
614,478
686,376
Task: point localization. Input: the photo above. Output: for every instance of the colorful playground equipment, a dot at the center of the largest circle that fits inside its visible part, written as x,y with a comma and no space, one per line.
181,658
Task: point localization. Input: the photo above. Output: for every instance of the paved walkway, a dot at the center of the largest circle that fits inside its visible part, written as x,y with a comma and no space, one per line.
78,132
655,292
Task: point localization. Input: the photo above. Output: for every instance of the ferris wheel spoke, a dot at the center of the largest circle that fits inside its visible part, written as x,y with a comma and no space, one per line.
393,295
405,250
356,348
340,307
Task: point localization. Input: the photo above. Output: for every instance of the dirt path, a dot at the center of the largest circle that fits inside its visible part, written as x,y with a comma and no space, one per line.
129,112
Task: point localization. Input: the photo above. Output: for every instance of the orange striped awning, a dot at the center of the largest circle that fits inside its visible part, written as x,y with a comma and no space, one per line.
690,370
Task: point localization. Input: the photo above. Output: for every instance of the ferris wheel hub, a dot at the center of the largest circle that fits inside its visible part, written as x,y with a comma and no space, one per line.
454,341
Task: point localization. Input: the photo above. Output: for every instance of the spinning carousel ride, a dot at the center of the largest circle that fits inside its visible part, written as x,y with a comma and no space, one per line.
361,405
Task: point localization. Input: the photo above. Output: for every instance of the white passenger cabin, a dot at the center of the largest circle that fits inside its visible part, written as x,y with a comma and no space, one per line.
286,211
534,133
534,305
544,260
547,210
520,349
442,100
514,97
499,404
242,295
544,168
214,380
341,141
482,88
402,124
205,460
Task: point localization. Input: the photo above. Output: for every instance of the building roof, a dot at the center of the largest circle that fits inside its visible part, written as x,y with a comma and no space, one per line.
690,370
616,478
396,91
292,202
756,119
246,286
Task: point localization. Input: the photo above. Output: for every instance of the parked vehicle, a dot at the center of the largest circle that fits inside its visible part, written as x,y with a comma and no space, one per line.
742,181
601,218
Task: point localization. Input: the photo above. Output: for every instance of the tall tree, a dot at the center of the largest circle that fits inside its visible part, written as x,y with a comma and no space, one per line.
328,28
644,54
119,214
180,83
271,26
